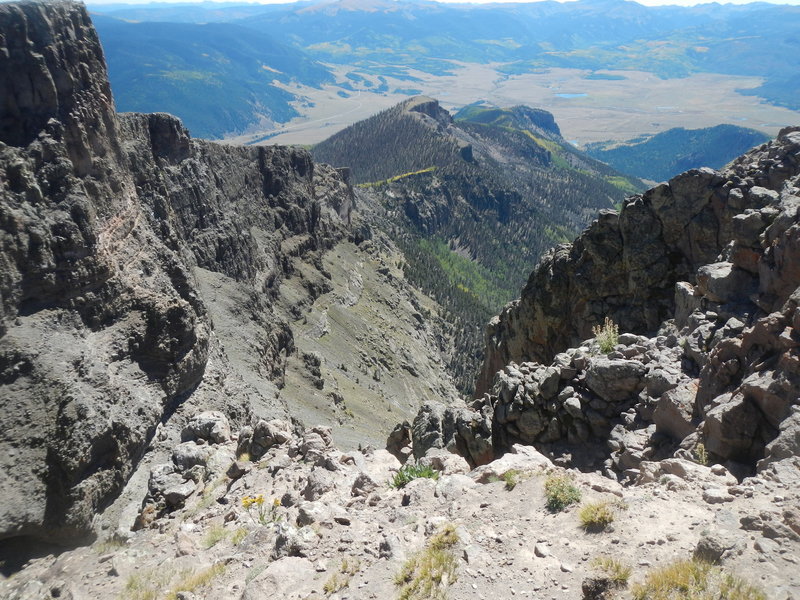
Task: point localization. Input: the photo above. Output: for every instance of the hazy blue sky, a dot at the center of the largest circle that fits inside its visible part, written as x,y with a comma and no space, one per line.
645,2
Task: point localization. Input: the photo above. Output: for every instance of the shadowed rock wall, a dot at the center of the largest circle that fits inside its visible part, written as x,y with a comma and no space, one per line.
103,219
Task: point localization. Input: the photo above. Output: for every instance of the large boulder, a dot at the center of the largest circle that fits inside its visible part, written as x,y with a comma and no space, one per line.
615,380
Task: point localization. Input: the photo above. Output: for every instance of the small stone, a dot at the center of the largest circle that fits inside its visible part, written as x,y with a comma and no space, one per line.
566,568
541,550
766,546
717,496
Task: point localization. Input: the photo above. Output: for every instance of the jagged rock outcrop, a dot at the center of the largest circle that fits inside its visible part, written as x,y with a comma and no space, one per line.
625,266
105,223
707,266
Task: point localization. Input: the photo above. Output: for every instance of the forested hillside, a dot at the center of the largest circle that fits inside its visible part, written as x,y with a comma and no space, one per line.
473,202
666,154
218,77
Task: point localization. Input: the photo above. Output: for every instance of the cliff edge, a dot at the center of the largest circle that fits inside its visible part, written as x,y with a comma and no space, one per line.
105,221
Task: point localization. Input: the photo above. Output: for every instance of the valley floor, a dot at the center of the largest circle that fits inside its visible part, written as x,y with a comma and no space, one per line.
594,109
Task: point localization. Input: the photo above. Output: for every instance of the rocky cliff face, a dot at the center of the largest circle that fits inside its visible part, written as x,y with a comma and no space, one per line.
142,273
705,267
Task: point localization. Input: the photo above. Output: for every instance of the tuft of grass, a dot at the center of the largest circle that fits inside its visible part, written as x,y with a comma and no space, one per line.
214,536
607,336
617,572
192,580
596,516
341,579
239,535
410,472
511,478
207,498
560,491
694,580
111,544
335,583
428,574
145,585
701,454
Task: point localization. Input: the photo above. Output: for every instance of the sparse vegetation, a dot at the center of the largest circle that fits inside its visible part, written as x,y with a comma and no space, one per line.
207,498
607,336
616,571
238,536
341,578
694,580
214,536
428,574
192,581
153,584
511,478
701,454
596,516
409,472
111,544
145,585
560,491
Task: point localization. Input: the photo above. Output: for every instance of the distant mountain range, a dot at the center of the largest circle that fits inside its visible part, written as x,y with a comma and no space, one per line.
218,77
219,65
664,155
473,200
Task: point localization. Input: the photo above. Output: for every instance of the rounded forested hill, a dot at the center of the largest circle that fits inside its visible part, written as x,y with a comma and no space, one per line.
472,201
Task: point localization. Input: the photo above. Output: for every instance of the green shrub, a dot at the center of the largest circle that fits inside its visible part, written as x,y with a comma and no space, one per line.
694,580
409,472
511,478
560,491
596,516
607,336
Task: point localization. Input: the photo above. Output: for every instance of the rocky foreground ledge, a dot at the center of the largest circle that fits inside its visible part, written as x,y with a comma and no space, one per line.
266,512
